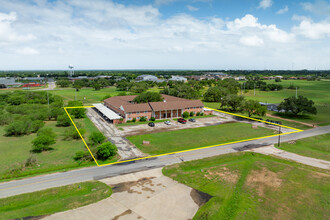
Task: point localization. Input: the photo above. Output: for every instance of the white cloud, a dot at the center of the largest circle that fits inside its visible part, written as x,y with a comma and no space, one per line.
283,10
27,51
103,34
192,8
265,4
320,7
253,41
313,30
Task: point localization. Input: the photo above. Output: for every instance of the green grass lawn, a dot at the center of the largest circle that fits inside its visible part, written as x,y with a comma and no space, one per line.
254,186
318,91
317,147
171,141
53,200
15,151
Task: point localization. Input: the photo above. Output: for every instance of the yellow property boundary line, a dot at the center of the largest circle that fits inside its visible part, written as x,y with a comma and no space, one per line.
142,158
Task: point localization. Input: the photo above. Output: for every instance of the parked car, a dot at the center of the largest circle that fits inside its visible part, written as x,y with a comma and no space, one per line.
151,124
167,122
192,120
182,120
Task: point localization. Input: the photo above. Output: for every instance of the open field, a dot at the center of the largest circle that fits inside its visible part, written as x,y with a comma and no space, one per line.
254,186
170,141
317,147
318,91
53,200
61,158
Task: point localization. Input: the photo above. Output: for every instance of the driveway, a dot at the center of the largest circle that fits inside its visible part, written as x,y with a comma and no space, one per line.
142,195
126,150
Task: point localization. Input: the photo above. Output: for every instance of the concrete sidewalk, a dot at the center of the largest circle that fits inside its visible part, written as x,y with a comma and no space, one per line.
271,150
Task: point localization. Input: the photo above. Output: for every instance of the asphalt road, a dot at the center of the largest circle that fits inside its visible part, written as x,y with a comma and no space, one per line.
94,173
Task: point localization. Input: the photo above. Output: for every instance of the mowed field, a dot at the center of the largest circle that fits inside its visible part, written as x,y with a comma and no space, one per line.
318,91
317,147
254,186
171,141
16,150
53,200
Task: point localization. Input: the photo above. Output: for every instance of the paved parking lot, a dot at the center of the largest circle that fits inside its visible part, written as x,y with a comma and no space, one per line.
161,126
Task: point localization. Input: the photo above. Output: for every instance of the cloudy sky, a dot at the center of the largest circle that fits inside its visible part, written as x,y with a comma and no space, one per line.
164,34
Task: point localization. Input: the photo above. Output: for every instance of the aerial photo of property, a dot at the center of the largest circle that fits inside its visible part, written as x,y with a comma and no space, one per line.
164,109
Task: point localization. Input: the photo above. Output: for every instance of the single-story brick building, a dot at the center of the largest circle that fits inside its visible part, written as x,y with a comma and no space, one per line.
170,107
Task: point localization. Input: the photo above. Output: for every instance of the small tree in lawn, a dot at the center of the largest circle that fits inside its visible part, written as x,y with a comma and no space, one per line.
106,151
63,121
42,143
96,138
185,114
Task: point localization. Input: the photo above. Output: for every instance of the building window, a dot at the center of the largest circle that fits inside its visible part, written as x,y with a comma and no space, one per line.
129,113
129,119
137,118
137,113
145,112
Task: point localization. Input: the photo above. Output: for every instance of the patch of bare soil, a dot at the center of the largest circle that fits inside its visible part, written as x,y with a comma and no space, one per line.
263,178
127,212
222,173
200,198
143,184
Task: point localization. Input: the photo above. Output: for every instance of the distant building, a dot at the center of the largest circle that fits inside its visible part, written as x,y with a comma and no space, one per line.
9,82
279,77
148,78
32,85
178,78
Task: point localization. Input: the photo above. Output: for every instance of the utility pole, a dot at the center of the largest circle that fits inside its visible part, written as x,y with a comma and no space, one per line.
297,92
254,84
47,98
279,136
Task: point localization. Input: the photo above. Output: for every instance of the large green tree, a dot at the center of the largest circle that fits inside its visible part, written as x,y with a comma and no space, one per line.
298,105
215,94
148,97
253,107
106,150
76,112
233,101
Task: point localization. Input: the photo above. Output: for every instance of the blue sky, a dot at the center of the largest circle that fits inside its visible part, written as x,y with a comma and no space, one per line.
164,34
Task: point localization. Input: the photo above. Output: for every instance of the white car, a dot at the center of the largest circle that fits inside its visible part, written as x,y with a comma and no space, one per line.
167,122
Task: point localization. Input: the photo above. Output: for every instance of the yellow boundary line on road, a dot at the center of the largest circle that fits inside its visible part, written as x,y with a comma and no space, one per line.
211,146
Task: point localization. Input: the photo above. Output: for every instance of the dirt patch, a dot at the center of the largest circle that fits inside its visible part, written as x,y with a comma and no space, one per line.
127,212
263,178
200,198
143,184
223,173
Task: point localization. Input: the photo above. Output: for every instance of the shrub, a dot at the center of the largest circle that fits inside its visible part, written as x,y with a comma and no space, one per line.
201,114
31,161
96,138
198,114
5,119
134,120
76,112
46,132
17,128
192,114
36,125
152,119
42,143
185,114
63,121
82,155
142,119
73,134
106,150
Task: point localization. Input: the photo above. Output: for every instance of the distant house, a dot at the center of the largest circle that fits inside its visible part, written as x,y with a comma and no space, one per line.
178,78
270,106
148,78
279,77
9,82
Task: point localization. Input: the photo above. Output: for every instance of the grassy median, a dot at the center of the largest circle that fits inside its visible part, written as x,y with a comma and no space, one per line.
170,141
317,147
53,200
254,186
